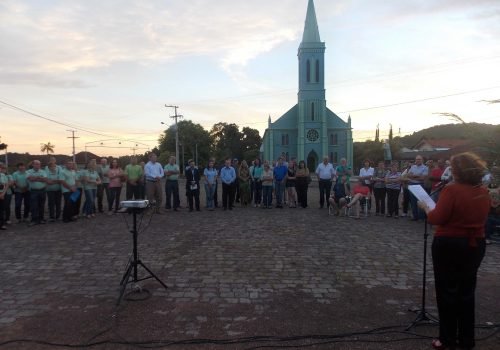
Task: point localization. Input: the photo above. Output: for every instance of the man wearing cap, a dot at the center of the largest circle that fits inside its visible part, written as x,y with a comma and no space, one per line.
416,176
37,180
326,174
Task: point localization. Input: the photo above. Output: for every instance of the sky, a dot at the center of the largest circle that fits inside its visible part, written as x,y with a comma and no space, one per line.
108,68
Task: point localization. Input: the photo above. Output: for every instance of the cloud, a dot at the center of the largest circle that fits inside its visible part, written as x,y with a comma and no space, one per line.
39,40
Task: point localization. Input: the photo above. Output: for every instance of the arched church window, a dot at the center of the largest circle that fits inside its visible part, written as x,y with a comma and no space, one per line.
308,71
312,111
317,71
335,139
287,140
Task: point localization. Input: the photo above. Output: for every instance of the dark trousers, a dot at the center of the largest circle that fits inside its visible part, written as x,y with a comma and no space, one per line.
78,204
2,212
54,199
379,200
236,190
101,189
193,195
69,207
406,200
324,192
257,189
114,196
172,190
455,271
7,200
20,199
392,201
133,191
37,204
301,188
216,202
227,195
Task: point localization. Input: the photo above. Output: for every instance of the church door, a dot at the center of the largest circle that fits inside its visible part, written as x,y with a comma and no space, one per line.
312,162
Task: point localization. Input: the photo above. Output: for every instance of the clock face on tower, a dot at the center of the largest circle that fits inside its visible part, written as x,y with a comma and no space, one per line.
312,135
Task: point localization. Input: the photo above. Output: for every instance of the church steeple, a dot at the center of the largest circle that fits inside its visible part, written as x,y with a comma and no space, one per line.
311,30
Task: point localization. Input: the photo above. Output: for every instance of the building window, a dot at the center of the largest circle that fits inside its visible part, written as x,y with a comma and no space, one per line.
285,140
335,157
287,156
317,71
331,157
308,71
334,140
312,135
312,111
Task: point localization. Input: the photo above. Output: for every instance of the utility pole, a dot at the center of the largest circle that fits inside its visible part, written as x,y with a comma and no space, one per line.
176,116
73,137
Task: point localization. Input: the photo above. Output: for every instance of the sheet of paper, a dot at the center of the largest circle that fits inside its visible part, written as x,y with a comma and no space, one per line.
419,192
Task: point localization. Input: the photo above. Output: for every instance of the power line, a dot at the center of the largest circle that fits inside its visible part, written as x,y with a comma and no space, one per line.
419,100
61,123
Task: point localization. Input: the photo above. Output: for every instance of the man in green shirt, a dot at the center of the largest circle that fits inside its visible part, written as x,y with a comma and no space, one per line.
21,193
134,173
172,183
67,178
37,180
103,187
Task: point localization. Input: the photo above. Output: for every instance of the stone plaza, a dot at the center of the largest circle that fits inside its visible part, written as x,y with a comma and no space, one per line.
242,279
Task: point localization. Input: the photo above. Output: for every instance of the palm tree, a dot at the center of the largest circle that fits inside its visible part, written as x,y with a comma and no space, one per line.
47,147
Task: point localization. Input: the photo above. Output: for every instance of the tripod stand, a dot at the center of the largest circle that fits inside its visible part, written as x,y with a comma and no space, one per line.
134,262
422,315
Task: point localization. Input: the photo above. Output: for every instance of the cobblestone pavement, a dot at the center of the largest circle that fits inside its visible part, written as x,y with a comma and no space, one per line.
230,274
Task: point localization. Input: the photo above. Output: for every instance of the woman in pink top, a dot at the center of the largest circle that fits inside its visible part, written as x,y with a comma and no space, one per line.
116,178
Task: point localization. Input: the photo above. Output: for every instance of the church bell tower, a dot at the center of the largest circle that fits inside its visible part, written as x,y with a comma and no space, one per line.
312,122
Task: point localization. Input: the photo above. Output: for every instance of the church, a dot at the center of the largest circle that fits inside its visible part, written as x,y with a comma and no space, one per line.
309,131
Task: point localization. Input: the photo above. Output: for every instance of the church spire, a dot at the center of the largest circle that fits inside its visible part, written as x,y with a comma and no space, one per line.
311,31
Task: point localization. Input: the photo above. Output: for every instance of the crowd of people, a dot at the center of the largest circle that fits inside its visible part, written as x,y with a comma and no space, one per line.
259,184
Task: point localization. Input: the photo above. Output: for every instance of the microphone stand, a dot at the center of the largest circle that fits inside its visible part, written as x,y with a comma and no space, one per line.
422,315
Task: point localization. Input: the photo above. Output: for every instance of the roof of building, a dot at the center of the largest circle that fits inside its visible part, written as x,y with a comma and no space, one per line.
441,143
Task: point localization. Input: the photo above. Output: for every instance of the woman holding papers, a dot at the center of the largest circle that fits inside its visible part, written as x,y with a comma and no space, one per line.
458,249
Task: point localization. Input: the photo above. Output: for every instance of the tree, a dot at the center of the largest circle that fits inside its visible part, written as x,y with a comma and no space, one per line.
377,133
47,147
390,135
193,140
226,141
250,143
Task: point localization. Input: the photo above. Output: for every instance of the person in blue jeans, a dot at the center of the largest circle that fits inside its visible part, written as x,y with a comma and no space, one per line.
210,184
280,173
267,186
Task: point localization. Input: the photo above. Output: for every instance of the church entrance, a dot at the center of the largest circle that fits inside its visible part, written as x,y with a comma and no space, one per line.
312,161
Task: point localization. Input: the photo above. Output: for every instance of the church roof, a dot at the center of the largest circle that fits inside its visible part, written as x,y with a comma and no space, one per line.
311,30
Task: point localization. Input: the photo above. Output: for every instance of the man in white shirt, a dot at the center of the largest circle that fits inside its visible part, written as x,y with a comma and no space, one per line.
153,172
326,174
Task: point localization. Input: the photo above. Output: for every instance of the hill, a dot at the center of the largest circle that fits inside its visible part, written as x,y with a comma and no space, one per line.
475,132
